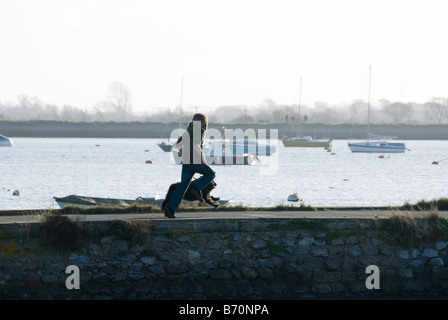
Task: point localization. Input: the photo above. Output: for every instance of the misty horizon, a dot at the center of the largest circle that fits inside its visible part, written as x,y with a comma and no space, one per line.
385,111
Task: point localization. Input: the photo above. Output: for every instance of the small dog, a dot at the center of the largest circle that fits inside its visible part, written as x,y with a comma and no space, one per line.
190,196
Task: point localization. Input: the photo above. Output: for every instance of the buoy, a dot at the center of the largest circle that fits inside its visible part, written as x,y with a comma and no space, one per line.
149,161
440,161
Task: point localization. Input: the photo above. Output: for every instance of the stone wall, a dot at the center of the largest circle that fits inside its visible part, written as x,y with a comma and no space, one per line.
225,259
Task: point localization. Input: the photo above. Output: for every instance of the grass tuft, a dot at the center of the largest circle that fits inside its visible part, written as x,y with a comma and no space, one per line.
60,232
131,230
416,229
440,204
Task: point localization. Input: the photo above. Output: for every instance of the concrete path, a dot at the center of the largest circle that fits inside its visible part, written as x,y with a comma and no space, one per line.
368,214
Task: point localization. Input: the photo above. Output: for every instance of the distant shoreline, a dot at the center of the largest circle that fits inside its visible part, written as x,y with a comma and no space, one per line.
160,130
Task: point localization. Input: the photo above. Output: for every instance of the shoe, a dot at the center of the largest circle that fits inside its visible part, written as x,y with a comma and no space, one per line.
169,213
196,193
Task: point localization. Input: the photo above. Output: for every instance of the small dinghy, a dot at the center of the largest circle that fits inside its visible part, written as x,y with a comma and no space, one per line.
294,197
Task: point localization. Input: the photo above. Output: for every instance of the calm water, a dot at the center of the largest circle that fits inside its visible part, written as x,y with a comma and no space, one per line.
42,168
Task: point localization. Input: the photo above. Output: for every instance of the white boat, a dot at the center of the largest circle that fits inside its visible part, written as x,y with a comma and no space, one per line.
304,141
381,146
223,158
295,198
165,146
5,141
244,146
218,156
377,145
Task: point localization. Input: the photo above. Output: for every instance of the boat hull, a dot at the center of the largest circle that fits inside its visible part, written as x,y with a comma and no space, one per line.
90,202
165,146
221,159
248,159
5,141
304,143
377,147
247,146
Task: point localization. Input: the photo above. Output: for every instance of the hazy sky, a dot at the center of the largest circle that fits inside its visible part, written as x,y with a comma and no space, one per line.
229,52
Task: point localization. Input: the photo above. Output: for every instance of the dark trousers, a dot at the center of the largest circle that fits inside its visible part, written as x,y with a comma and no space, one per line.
188,171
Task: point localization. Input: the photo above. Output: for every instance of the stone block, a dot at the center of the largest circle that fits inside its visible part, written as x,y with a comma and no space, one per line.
334,276
220,274
321,288
430,253
319,275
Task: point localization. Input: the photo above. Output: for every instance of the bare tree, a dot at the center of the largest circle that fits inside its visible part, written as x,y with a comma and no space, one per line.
120,97
29,108
436,112
118,104
357,107
70,113
398,111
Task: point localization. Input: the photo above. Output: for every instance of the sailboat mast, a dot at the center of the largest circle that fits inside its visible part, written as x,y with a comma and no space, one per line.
300,100
181,97
368,104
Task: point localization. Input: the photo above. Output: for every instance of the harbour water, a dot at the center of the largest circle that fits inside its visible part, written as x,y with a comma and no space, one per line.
35,170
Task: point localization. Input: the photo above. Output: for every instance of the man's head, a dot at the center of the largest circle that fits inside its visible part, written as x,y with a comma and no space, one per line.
203,118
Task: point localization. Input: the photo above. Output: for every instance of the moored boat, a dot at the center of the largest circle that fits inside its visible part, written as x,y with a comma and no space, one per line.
300,140
165,146
381,146
306,141
89,202
219,155
5,141
244,146
378,145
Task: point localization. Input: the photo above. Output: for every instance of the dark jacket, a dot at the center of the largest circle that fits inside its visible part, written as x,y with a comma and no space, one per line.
187,143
